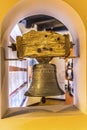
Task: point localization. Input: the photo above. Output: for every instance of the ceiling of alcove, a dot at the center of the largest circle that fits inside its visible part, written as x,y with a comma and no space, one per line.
43,22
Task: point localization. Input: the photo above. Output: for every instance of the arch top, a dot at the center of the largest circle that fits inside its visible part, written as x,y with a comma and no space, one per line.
57,9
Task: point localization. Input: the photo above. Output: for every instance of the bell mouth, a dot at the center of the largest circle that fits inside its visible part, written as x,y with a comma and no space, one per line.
44,95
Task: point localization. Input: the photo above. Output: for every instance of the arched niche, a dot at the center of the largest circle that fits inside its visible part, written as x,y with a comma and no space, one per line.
70,18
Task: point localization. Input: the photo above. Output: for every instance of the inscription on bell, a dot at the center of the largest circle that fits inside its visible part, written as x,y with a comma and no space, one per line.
44,82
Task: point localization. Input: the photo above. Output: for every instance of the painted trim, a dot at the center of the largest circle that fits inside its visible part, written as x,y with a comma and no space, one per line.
14,68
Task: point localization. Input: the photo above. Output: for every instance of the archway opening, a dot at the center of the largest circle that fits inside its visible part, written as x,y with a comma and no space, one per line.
70,18
17,75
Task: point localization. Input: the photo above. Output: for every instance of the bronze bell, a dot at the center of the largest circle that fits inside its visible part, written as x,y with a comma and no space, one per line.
44,81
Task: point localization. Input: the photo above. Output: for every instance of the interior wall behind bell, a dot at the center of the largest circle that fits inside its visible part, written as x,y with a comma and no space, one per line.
60,71
16,78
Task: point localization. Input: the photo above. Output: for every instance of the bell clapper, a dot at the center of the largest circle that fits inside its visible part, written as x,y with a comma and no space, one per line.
43,99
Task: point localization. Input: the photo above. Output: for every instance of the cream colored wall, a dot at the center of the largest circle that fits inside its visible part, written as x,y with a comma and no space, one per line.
66,14
3,82
5,6
45,122
63,122
80,6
